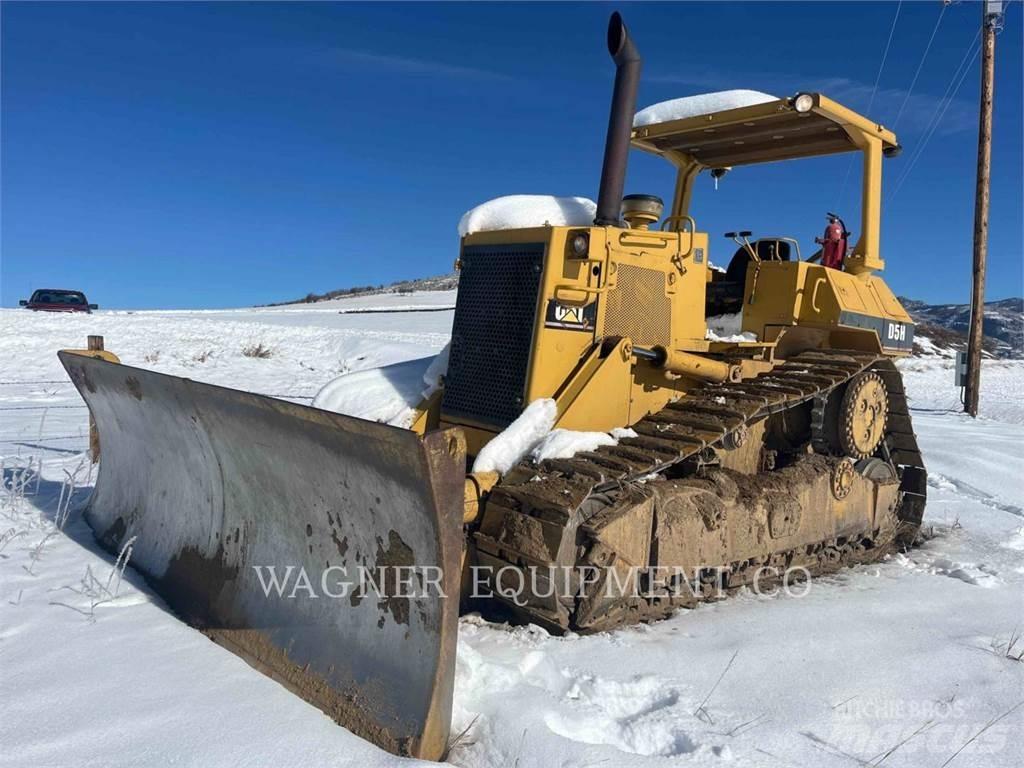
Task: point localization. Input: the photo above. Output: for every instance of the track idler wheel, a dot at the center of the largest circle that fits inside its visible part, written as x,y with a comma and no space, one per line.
843,475
862,415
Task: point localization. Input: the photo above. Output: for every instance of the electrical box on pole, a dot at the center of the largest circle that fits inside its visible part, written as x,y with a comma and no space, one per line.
960,369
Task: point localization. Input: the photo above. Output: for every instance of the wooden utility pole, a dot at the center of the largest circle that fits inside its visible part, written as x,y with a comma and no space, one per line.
991,14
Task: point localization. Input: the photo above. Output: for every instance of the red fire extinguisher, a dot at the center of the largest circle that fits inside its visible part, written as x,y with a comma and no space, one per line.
833,244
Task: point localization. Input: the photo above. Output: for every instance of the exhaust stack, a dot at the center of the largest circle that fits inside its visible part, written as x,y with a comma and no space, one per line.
620,121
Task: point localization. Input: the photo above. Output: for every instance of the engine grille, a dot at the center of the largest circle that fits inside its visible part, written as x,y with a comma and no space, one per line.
493,332
638,307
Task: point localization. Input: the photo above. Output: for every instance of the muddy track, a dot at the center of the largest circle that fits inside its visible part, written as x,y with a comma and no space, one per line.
715,416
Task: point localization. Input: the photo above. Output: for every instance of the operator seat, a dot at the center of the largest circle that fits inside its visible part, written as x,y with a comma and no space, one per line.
767,248
725,291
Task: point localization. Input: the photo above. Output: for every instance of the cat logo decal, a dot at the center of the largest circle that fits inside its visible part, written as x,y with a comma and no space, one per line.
571,318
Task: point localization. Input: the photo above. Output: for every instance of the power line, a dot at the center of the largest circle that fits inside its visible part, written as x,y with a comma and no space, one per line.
940,110
936,121
920,66
885,55
871,101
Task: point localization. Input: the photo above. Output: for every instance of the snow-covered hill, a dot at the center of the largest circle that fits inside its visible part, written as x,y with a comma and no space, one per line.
948,324
901,664
437,283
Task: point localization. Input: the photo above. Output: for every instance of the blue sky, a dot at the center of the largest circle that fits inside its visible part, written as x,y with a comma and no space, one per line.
209,155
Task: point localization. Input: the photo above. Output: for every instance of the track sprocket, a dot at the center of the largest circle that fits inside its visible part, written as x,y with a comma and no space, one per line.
862,415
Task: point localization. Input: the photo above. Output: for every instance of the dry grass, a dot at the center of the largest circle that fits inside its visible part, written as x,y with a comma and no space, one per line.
460,740
1012,648
987,725
95,590
257,350
701,712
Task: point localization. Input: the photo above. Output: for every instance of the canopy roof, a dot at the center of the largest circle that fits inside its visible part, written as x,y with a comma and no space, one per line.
762,133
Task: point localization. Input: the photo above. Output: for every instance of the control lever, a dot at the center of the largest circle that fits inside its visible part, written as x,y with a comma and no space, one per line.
742,239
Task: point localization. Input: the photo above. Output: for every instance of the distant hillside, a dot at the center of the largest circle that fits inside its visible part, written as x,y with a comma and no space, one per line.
438,283
944,325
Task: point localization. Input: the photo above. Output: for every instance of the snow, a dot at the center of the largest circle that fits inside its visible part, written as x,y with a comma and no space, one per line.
906,655
389,394
518,438
930,348
532,435
700,104
1002,387
435,371
727,328
524,211
566,443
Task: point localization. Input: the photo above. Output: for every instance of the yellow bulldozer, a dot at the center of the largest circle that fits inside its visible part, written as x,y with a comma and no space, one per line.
789,448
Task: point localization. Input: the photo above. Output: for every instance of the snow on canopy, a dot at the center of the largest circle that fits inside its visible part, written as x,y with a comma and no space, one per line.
701,104
523,211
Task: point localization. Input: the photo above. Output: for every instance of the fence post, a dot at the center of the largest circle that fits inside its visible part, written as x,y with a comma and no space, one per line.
95,345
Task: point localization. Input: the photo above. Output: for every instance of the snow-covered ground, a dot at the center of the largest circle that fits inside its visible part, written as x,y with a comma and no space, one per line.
901,663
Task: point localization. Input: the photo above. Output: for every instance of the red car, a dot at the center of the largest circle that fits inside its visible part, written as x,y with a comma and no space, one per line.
58,300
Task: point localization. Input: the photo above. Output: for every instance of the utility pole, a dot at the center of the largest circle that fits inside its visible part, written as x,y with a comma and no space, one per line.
991,16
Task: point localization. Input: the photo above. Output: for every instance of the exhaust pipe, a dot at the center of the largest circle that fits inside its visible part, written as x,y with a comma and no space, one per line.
620,122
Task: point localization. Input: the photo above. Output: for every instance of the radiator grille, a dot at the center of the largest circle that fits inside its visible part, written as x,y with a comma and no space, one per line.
638,307
493,332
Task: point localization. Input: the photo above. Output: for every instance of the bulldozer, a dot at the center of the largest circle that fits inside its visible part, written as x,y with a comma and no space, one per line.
791,447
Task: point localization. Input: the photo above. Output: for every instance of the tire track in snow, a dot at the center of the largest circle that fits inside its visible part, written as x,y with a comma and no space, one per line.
944,482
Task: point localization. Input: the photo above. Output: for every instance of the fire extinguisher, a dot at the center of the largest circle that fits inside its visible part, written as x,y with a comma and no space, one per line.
834,242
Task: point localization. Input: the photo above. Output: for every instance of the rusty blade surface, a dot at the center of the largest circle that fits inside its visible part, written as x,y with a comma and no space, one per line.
217,484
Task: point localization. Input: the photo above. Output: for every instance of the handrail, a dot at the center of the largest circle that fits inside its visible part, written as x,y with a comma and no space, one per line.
679,232
586,290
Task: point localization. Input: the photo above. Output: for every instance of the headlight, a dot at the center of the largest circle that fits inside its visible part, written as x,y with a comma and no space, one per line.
803,102
580,245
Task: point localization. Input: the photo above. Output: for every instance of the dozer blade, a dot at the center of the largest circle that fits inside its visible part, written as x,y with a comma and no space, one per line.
215,486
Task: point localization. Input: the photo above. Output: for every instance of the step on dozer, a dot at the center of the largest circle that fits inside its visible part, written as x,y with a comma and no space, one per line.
334,553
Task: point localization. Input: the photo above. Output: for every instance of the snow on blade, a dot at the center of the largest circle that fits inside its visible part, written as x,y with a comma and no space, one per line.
728,328
388,394
510,446
701,104
523,211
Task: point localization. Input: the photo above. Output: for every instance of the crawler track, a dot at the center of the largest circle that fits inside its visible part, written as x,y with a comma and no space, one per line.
679,440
